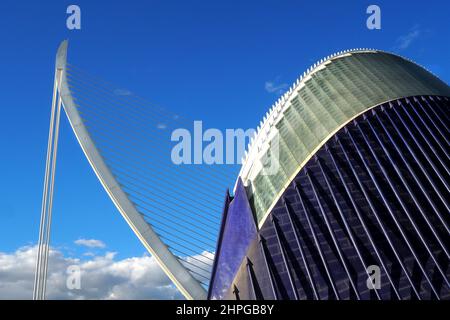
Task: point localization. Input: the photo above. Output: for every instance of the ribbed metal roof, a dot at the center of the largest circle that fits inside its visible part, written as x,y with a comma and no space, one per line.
325,98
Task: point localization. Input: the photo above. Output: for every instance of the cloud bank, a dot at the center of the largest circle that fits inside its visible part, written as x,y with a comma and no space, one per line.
102,277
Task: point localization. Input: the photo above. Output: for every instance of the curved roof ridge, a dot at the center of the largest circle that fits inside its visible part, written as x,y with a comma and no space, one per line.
271,116
276,108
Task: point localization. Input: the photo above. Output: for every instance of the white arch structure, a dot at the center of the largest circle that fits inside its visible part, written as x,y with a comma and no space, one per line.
181,277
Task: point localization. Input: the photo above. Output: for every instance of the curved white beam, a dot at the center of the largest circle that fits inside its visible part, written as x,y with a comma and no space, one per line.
185,282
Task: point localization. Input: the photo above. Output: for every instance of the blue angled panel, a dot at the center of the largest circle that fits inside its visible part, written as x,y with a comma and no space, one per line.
239,230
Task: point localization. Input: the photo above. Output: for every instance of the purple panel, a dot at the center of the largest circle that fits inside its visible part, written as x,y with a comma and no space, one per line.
238,232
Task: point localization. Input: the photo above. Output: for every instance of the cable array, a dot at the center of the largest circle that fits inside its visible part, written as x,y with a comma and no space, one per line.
182,203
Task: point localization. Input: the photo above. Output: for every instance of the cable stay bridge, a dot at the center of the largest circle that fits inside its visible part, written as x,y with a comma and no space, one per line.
174,210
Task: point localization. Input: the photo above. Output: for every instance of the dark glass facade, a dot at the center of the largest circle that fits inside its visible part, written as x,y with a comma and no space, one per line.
376,194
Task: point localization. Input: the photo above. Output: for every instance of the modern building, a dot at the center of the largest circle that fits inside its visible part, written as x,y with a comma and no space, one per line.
344,192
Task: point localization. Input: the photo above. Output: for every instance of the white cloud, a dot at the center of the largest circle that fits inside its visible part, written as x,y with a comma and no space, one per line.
102,277
404,41
201,265
90,243
122,92
274,87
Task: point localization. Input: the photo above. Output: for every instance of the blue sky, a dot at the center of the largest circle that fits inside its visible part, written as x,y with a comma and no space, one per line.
223,62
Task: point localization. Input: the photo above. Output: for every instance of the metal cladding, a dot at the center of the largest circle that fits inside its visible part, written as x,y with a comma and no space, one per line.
362,187
320,103
233,242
